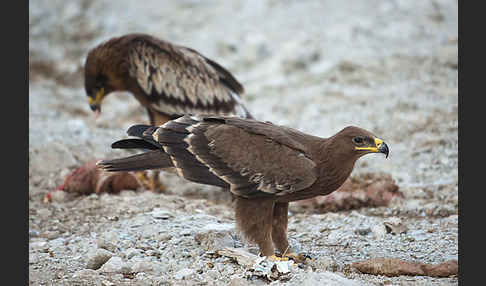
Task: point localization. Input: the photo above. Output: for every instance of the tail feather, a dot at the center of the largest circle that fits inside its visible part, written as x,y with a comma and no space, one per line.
135,144
153,159
168,147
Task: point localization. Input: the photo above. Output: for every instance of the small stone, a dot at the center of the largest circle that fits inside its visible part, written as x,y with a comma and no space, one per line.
131,252
58,196
97,258
38,245
141,276
215,238
395,225
185,232
378,230
115,265
283,267
363,231
107,283
161,214
183,273
33,259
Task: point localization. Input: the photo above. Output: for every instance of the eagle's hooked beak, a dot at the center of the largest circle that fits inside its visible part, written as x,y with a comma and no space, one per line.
95,102
380,147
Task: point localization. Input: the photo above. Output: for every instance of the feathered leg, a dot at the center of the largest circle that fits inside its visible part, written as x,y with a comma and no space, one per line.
279,227
254,219
279,233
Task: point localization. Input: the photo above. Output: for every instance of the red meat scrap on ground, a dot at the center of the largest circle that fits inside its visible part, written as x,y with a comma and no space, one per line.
366,190
89,179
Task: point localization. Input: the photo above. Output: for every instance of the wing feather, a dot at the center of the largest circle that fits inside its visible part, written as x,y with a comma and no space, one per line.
249,161
179,80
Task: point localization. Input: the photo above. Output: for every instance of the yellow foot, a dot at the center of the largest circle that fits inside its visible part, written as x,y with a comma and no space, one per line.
150,182
276,258
297,257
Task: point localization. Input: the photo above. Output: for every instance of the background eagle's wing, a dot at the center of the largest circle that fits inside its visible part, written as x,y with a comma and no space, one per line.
252,163
179,80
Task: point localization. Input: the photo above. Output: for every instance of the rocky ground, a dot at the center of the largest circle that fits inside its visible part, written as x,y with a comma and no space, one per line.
318,66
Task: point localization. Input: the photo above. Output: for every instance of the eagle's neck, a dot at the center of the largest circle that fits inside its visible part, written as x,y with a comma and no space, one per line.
336,167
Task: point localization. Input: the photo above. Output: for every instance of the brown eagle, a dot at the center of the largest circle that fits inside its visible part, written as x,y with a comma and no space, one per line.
167,79
264,166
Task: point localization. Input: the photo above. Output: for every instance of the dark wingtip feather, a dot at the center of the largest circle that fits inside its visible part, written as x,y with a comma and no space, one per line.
137,130
214,119
134,144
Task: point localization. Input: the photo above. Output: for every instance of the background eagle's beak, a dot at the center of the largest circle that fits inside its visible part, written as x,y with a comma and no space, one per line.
95,103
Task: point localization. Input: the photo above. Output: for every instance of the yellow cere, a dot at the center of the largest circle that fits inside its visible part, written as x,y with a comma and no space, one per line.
378,143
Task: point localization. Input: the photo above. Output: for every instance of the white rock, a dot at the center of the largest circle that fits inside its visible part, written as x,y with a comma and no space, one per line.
183,273
395,225
378,230
97,258
115,265
38,245
33,258
161,214
59,196
284,266
215,236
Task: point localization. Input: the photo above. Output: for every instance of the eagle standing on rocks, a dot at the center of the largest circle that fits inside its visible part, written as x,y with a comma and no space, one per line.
167,79
264,166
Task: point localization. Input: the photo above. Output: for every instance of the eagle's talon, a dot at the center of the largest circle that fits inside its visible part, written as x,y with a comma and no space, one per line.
297,257
276,258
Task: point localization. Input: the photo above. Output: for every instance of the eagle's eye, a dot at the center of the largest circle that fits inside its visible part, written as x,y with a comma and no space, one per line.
358,140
